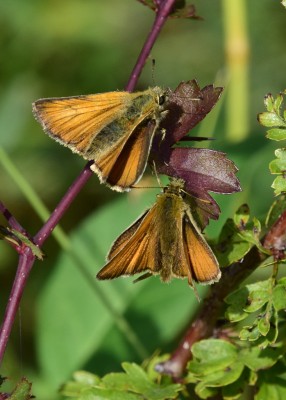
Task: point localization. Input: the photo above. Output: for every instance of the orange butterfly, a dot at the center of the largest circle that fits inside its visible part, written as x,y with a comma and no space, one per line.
115,130
165,241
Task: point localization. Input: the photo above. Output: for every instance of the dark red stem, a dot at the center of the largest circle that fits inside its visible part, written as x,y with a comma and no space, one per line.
164,9
26,261
13,223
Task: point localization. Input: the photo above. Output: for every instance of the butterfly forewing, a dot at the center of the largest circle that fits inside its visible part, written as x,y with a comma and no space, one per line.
76,120
137,255
115,130
203,262
127,167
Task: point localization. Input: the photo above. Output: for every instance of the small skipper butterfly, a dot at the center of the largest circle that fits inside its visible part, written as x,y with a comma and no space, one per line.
115,130
165,241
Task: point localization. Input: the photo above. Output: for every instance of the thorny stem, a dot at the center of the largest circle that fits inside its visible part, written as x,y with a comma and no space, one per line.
27,259
203,325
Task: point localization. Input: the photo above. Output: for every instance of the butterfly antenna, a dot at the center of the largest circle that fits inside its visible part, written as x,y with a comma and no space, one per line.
153,70
157,176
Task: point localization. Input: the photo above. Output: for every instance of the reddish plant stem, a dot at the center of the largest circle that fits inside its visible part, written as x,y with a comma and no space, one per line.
164,9
63,205
11,220
202,326
27,259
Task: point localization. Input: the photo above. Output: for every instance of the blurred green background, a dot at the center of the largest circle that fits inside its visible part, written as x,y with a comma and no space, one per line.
67,320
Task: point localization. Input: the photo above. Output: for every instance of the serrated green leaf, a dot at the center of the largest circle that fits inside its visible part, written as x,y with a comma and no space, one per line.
242,215
250,333
211,355
278,102
276,134
282,281
279,297
279,185
233,390
256,358
280,153
271,119
86,378
277,166
223,377
108,394
276,209
263,326
82,380
269,102
22,391
231,246
257,299
205,392
272,383
237,301
139,382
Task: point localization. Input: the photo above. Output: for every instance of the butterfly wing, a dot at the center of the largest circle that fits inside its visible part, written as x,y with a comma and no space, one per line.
135,250
75,121
114,130
123,166
124,238
203,263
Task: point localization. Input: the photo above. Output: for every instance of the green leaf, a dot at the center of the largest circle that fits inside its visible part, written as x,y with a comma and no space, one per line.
250,333
276,134
269,102
263,326
276,209
221,378
231,246
37,252
279,297
247,299
233,390
272,383
279,185
256,358
22,391
237,301
82,381
107,394
137,381
278,102
271,119
242,216
211,355
256,299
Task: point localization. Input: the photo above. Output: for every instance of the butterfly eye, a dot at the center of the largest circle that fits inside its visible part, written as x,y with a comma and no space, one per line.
162,100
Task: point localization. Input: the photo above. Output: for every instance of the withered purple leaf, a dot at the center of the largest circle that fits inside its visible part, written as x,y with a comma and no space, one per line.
203,170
